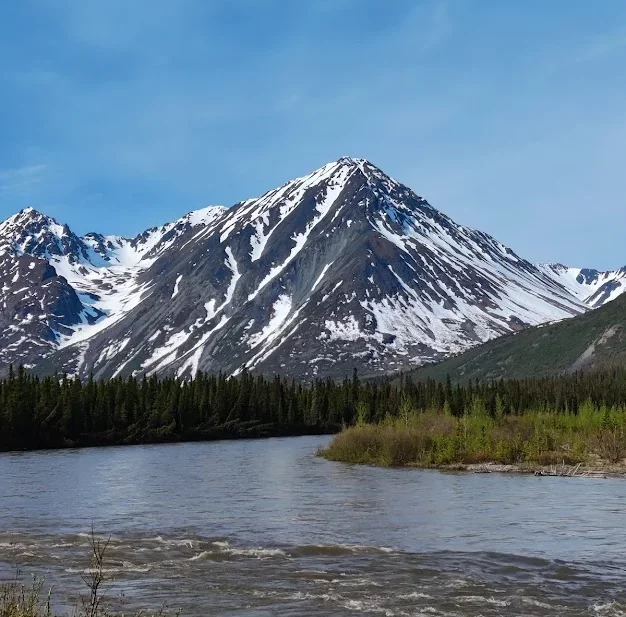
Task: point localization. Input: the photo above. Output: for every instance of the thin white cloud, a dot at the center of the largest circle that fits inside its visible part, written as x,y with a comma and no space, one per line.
12,180
562,57
603,45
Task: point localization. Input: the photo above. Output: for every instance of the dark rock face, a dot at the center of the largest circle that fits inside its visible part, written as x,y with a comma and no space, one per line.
339,269
37,308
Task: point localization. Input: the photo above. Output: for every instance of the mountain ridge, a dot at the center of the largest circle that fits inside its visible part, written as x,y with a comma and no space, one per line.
344,266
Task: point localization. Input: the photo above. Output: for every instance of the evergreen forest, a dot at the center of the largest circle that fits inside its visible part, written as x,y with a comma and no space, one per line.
56,412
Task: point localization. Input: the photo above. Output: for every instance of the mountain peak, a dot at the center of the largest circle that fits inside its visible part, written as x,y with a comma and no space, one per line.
30,232
372,173
28,215
31,221
367,167
350,160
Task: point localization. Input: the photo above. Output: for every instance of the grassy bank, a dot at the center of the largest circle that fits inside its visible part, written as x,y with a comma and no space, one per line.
593,436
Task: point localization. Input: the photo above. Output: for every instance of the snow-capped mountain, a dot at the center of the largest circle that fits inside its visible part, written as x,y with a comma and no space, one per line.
593,287
57,287
343,267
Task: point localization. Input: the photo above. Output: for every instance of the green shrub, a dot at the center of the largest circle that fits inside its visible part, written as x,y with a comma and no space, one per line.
438,438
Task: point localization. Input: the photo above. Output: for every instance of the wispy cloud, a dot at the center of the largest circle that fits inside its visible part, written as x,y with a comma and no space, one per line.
13,180
603,45
583,52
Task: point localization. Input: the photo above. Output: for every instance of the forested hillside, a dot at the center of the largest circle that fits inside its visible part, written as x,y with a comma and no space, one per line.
593,341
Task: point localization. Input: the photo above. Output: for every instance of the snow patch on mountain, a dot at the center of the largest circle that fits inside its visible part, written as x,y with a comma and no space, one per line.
280,311
179,278
345,330
192,363
320,278
279,330
231,263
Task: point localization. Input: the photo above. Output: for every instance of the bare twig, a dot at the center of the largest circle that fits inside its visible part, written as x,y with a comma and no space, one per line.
95,577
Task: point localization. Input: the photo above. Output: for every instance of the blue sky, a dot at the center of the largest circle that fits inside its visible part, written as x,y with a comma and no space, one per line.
508,116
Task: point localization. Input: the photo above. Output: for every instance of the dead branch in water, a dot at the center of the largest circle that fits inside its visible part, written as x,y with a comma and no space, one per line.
567,471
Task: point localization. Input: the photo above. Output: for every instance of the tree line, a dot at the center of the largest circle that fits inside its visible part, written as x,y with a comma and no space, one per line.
54,412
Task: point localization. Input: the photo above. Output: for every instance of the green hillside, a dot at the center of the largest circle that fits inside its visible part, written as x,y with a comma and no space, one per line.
595,340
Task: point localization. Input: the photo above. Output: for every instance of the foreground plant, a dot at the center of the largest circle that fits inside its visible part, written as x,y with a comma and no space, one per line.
21,600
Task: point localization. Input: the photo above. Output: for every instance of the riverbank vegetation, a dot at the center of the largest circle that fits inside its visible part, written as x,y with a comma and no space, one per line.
536,438
577,419
572,415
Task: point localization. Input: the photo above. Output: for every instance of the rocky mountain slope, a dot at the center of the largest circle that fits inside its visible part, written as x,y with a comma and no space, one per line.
343,267
594,340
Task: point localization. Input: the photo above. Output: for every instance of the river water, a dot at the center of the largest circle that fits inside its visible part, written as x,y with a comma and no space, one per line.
264,527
